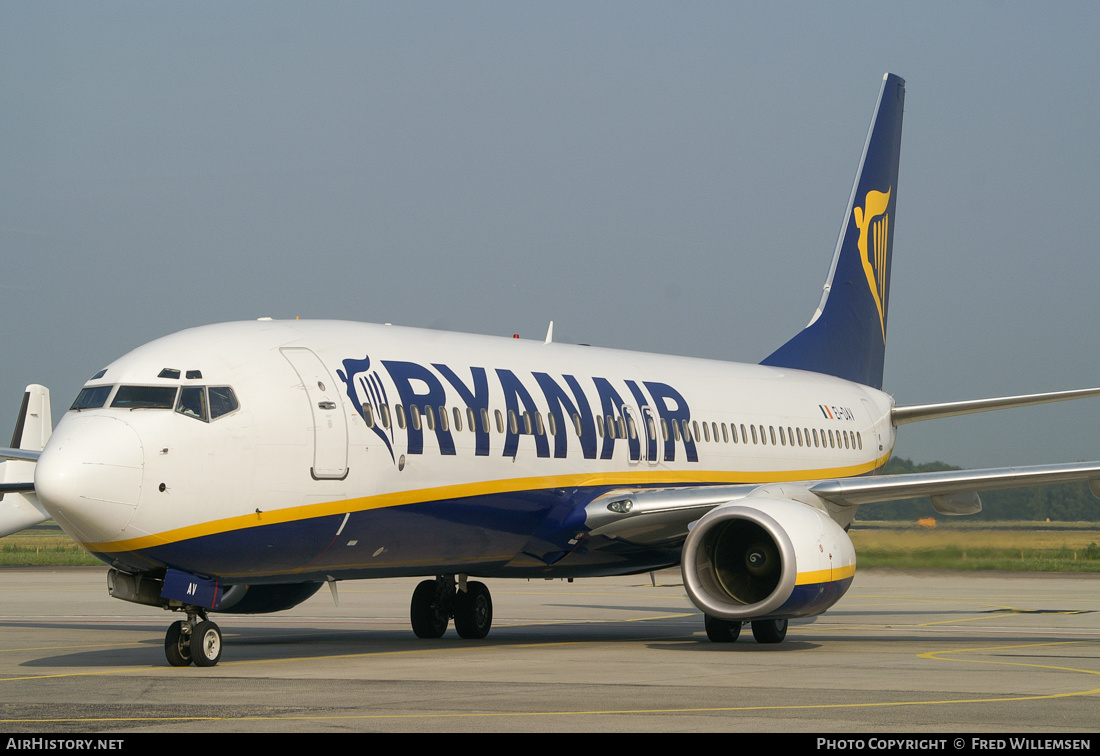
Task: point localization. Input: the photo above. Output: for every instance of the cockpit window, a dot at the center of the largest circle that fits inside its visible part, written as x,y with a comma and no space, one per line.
145,397
222,401
91,397
192,402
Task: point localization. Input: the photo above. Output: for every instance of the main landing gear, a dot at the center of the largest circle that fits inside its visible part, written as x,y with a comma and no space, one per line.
195,639
727,631
435,602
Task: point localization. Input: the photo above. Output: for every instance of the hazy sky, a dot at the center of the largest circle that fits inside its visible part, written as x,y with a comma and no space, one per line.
668,177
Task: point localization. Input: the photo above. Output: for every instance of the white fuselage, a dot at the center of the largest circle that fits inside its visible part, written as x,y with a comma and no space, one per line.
350,450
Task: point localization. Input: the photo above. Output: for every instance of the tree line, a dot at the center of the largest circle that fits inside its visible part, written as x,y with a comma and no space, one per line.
1065,502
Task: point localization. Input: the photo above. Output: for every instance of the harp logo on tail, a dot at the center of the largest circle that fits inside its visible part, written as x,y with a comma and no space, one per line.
873,255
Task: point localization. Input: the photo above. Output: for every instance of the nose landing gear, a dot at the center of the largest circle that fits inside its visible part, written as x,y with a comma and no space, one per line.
195,639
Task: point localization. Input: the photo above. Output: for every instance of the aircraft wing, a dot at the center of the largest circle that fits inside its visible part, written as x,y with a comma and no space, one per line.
664,516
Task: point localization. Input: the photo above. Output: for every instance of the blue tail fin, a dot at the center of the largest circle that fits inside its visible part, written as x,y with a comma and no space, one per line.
847,335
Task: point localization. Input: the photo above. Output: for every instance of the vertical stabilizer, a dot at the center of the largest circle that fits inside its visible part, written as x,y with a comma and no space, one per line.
20,509
847,335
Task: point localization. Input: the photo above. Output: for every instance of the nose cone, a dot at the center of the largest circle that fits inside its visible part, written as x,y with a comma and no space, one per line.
89,476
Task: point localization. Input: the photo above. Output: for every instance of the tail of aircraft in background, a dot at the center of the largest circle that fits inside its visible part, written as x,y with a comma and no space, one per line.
19,507
847,335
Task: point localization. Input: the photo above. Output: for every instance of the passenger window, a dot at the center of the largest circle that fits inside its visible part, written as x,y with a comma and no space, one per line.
577,425
552,423
384,411
500,421
725,434
399,410
527,423
687,432
368,415
664,429
706,431
429,417
754,441
192,402
414,416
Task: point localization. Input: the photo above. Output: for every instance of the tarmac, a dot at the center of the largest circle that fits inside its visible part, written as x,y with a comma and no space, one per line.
924,652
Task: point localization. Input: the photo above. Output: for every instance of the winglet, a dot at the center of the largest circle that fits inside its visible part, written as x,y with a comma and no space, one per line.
847,335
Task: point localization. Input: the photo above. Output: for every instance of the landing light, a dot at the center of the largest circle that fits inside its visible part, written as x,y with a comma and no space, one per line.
622,506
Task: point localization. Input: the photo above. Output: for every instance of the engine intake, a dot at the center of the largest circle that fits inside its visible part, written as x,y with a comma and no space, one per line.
766,557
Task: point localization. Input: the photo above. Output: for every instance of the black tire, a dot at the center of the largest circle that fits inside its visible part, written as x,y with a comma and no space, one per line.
206,644
720,630
769,631
429,617
474,611
177,645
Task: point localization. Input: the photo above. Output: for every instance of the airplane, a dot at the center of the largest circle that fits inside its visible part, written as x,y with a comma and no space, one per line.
240,467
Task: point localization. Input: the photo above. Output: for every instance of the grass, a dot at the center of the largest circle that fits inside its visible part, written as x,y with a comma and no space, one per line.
45,545
1030,546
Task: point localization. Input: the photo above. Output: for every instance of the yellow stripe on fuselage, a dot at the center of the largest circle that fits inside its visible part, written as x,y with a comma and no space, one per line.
465,490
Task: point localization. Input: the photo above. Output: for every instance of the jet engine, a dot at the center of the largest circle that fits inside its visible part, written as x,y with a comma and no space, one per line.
766,558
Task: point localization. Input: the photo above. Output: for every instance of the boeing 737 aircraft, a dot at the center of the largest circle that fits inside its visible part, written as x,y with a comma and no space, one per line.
239,467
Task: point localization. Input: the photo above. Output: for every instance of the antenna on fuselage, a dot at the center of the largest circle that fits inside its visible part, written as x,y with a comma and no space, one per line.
549,333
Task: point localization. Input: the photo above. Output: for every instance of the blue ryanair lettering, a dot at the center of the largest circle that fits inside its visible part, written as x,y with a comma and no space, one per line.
612,407
514,393
563,409
662,394
433,396
477,400
420,390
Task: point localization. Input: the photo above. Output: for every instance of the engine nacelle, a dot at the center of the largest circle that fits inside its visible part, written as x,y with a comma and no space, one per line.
766,558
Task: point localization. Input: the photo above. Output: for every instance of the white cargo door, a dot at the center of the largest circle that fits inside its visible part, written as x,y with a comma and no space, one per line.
330,425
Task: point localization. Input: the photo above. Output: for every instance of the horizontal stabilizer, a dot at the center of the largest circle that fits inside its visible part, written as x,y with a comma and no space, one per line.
917,412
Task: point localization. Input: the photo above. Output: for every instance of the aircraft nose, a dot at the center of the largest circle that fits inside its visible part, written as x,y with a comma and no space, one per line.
89,476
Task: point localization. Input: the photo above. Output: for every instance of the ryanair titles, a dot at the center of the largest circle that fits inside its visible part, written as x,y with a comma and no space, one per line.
595,412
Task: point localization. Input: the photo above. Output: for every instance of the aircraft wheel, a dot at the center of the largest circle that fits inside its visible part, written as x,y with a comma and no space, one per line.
720,630
769,631
429,617
177,645
206,644
474,611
